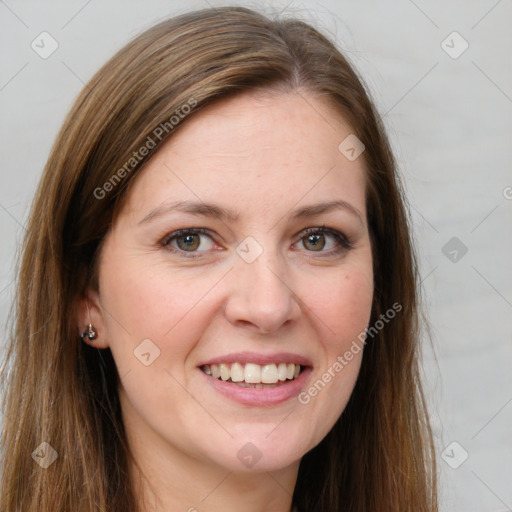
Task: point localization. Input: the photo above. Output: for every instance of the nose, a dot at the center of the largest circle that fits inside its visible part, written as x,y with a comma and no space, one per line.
261,296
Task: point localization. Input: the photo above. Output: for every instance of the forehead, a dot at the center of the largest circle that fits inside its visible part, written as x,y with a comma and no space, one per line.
256,151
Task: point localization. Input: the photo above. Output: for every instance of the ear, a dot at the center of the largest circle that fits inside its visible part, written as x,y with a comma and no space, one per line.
89,311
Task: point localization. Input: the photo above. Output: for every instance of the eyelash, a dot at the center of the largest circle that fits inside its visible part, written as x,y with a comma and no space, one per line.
344,244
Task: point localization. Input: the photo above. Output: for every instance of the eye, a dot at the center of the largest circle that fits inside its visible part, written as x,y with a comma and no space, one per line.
189,240
324,240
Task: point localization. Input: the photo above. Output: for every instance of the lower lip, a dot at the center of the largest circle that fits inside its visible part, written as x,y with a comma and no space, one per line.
260,397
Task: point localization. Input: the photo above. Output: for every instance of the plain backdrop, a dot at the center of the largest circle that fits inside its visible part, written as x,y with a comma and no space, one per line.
440,75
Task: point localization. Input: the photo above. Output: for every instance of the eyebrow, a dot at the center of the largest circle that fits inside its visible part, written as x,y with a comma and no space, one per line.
218,212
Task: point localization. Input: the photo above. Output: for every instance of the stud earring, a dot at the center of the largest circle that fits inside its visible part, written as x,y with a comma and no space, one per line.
89,332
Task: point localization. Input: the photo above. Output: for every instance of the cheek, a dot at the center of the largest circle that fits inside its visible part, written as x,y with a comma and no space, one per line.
341,322
344,304
153,302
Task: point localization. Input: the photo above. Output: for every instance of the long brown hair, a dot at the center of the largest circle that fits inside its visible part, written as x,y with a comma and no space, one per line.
379,455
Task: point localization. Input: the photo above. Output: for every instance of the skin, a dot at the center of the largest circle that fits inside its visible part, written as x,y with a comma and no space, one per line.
263,155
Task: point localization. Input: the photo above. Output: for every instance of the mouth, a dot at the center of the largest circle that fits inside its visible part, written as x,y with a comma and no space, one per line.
252,375
257,380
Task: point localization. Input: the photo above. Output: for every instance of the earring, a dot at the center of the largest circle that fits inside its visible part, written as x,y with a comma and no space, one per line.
89,332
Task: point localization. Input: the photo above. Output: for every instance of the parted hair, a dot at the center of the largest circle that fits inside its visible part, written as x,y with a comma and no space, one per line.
379,455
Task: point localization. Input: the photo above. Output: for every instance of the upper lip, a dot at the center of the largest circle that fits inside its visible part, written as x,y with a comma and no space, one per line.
261,359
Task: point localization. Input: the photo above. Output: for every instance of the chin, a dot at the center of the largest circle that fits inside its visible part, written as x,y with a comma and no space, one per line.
261,450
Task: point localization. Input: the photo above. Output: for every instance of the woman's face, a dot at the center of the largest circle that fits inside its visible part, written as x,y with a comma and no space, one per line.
242,249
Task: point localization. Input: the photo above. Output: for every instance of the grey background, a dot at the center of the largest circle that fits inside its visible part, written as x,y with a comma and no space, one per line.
450,120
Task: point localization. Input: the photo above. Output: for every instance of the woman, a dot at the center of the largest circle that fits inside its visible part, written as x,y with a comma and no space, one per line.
216,306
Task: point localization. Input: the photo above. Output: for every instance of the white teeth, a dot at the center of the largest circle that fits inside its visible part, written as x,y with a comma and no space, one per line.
253,374
281,372
237,372
224,372
269,374
215,371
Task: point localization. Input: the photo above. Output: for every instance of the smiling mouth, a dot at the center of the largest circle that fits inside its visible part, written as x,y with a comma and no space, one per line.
251,375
